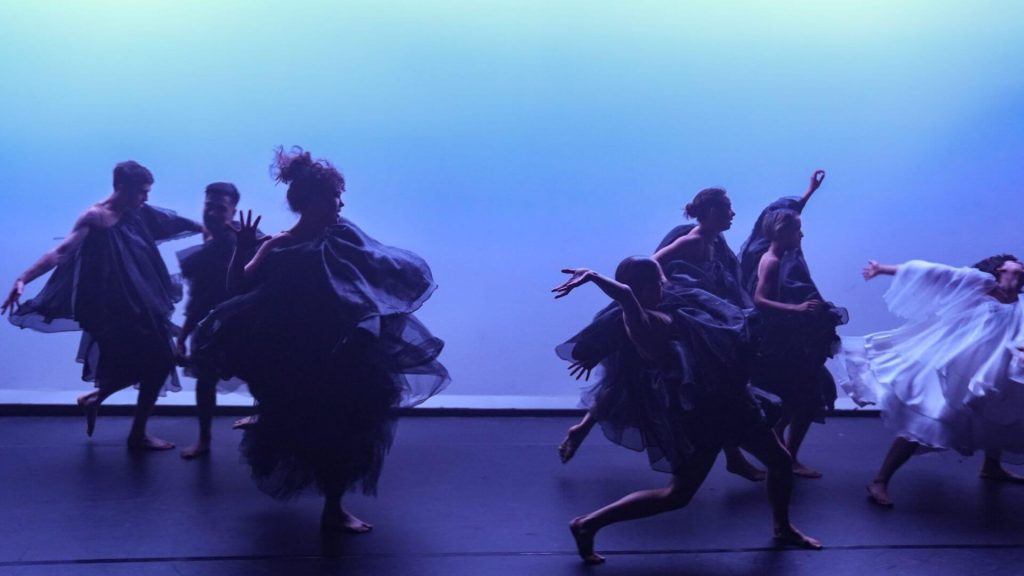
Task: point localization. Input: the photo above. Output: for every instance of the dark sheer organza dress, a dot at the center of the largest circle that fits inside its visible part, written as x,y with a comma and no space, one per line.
791,349
115,289
697,398
327,341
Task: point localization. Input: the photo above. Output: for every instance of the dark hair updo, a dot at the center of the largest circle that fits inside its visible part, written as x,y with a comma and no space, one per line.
992,263
306,178
778,220
705,201
130,176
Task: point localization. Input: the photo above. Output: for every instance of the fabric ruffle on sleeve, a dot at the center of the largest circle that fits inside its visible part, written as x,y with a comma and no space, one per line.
922,289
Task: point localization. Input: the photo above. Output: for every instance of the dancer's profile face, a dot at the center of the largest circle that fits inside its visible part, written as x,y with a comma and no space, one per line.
326,207
720,216
1011,272
133,198
790,236
650,291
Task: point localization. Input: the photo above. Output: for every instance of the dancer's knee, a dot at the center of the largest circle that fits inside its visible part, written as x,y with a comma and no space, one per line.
675,498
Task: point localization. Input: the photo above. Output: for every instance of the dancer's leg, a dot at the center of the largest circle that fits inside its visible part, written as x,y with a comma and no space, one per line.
206,401
901,451
336,519
992,469
764,445
149,390
799,424
738,464
642,504
90,402
577,434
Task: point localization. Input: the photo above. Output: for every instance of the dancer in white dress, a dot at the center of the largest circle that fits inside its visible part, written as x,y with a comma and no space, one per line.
951,376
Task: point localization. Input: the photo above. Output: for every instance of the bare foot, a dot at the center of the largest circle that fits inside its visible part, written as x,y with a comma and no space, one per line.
573,440
91,406
799,469
585,542
343,522
244,423
744,469
196,450
1000,474
879,494
790,536
148,442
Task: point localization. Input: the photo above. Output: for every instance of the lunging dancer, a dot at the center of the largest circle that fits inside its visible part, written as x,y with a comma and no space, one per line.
680,394
693,256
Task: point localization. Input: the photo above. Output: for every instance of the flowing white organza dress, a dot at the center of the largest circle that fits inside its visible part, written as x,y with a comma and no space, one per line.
951,376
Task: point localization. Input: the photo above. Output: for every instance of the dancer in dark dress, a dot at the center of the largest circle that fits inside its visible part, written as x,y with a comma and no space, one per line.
205,269
693,256
110,282
681,395
796,330
323,332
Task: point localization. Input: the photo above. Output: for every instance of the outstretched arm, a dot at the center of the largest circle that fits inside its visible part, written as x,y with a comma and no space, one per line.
48,262
816,180
764,294
617,291
875,269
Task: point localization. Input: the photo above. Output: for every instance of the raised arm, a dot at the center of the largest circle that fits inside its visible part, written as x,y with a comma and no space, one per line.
875,269
816,180
244,263
49,261
245,244
631,309
765,294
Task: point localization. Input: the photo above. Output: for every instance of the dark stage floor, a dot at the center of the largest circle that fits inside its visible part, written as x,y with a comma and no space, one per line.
480,495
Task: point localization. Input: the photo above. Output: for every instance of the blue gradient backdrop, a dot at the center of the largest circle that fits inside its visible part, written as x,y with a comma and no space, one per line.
503,140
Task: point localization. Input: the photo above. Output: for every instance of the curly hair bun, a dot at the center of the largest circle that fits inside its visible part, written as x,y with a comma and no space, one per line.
306,178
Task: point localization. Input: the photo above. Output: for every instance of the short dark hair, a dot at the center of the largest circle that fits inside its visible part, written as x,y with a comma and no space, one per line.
224,189
706,200
130,175
776,221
